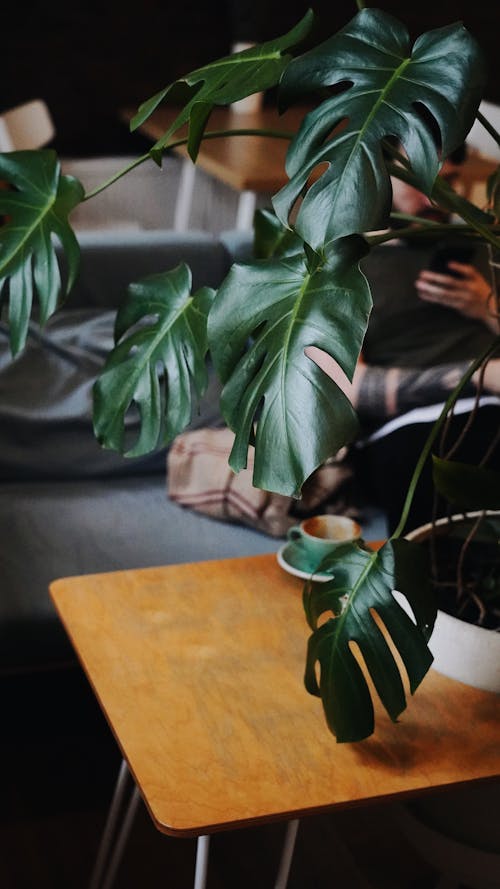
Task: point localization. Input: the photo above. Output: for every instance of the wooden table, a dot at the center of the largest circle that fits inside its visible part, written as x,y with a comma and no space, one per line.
199,671
253,165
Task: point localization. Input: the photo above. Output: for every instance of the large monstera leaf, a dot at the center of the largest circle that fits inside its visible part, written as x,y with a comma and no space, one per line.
35,202
158,360
221,83
386,89
265,314
362,585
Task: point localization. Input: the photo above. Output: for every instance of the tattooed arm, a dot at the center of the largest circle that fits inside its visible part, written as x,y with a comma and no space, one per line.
380,392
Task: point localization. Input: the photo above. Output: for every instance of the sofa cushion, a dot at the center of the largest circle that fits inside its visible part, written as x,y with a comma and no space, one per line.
46,427
111,260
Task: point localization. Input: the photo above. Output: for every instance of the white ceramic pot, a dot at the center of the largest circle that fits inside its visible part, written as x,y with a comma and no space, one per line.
458,831
461,650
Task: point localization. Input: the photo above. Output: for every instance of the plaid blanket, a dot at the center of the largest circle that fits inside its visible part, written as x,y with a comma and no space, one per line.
199,477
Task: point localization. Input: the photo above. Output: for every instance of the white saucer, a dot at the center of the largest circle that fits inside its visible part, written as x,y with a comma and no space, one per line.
289,559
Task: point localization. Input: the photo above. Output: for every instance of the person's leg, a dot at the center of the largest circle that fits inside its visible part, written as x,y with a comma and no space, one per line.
385,466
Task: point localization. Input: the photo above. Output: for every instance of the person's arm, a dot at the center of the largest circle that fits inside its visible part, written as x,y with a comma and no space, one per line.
491,380
380,392
470,294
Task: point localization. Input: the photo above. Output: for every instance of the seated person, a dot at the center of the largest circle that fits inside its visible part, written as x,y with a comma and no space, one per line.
420,340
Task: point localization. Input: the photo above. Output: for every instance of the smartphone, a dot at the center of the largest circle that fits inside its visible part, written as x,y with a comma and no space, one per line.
443,255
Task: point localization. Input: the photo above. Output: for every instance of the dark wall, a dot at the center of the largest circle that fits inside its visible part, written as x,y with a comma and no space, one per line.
88,60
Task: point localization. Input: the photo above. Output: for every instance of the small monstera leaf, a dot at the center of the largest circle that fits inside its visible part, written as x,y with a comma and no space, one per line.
386,89
362,585
161,338
264,316
36,203
465,486
221,83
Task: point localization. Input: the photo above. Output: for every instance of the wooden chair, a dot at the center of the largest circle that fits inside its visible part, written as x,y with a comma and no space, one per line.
26,126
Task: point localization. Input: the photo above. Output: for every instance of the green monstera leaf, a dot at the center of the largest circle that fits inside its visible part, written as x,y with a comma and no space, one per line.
36,204
265,314
362,584
465,486
221,83
166,343
383,89
272,238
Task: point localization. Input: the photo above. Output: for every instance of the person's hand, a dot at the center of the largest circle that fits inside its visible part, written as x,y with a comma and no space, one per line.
470,295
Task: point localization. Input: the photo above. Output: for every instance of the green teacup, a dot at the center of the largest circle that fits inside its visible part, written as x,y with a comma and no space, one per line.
319,535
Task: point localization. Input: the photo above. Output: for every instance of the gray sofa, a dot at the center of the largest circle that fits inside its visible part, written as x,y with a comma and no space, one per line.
67,506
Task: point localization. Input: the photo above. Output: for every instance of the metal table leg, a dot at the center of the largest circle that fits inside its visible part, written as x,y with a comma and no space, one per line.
110,826
287,854
122,838
114,840
202,850
107,851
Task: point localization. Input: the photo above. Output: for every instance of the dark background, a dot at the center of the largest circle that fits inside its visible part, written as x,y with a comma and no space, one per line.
88,60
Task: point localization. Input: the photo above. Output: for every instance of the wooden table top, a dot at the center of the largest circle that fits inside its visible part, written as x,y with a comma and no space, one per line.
246,163
199,670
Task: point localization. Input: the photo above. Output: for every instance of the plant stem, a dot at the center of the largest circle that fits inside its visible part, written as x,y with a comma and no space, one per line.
243,131
212,134
444,197
463,551
489,127
116,176
426,450
417,228
447,455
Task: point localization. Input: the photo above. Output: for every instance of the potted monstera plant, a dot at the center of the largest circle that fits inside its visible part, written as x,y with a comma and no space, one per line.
371,87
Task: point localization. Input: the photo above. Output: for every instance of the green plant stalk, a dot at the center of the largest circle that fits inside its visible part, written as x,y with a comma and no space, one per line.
212,134
450,199
422,228
123,172
401,169
426,450
488,127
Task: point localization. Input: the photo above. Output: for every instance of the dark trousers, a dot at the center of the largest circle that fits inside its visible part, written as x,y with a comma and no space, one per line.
384,467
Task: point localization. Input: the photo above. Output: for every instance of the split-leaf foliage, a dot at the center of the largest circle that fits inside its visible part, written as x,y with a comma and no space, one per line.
373,89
